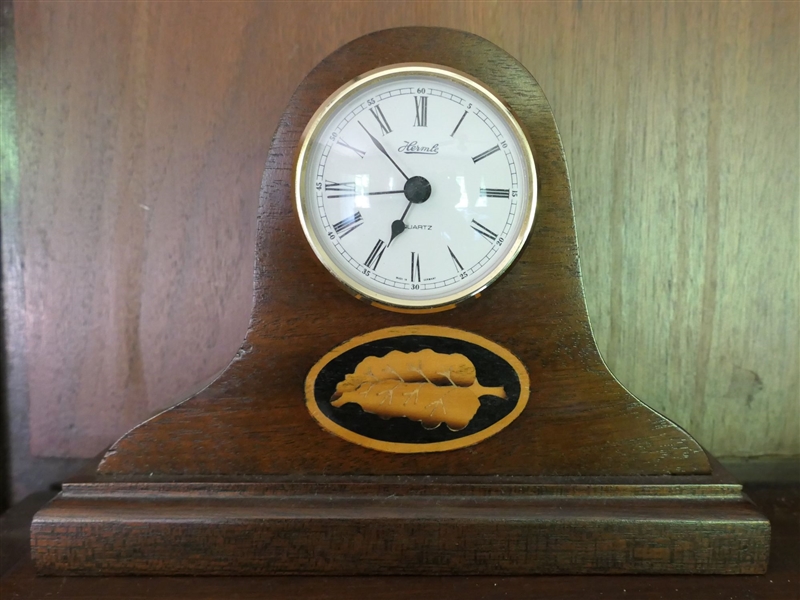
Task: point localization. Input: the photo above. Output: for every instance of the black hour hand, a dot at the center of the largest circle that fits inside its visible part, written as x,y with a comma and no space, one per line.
417,190
399,226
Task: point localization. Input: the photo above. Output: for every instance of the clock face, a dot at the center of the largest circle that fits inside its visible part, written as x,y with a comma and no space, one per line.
415,186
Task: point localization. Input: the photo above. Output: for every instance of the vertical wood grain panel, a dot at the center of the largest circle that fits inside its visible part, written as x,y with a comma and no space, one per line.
143,128
693,149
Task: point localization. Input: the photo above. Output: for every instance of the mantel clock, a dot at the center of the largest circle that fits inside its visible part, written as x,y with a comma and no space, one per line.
419,390
415,186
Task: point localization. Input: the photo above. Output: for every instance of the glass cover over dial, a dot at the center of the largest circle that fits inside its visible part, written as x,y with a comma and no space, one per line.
416,187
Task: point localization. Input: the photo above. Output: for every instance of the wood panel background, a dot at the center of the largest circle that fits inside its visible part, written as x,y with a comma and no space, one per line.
142,131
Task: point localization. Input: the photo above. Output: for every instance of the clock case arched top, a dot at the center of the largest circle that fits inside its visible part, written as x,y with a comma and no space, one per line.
579,421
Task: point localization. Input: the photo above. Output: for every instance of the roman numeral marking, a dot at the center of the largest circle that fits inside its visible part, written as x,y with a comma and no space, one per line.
456,262
378,114
483,155
494,193
415,267
360,153
458,124
375,256
484,231
421,120
348,224
347,186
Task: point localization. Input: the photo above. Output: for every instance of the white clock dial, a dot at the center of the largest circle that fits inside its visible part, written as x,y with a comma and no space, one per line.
416,187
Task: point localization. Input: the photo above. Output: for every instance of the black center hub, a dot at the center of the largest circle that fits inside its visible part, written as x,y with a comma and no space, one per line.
417,189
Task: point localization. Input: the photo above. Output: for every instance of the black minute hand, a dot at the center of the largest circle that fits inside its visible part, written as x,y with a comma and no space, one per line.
353,194
382,149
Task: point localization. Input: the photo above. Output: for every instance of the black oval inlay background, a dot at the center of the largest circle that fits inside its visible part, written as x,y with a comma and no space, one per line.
491,369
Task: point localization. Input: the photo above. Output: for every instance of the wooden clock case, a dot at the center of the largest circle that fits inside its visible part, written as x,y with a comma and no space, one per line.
240,480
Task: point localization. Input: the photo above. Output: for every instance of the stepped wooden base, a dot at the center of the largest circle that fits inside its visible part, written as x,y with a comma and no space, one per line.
424,526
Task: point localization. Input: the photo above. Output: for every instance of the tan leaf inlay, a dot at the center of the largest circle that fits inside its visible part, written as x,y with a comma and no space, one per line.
423,386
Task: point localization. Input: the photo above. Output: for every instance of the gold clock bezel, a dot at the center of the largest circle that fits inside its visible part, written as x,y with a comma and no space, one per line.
320,119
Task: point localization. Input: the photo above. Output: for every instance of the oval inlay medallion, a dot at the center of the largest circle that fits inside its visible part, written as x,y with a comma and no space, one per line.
417,389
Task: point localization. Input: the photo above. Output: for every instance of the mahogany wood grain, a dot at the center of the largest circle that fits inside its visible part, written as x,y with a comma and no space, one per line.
679,120
405,527
781,503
